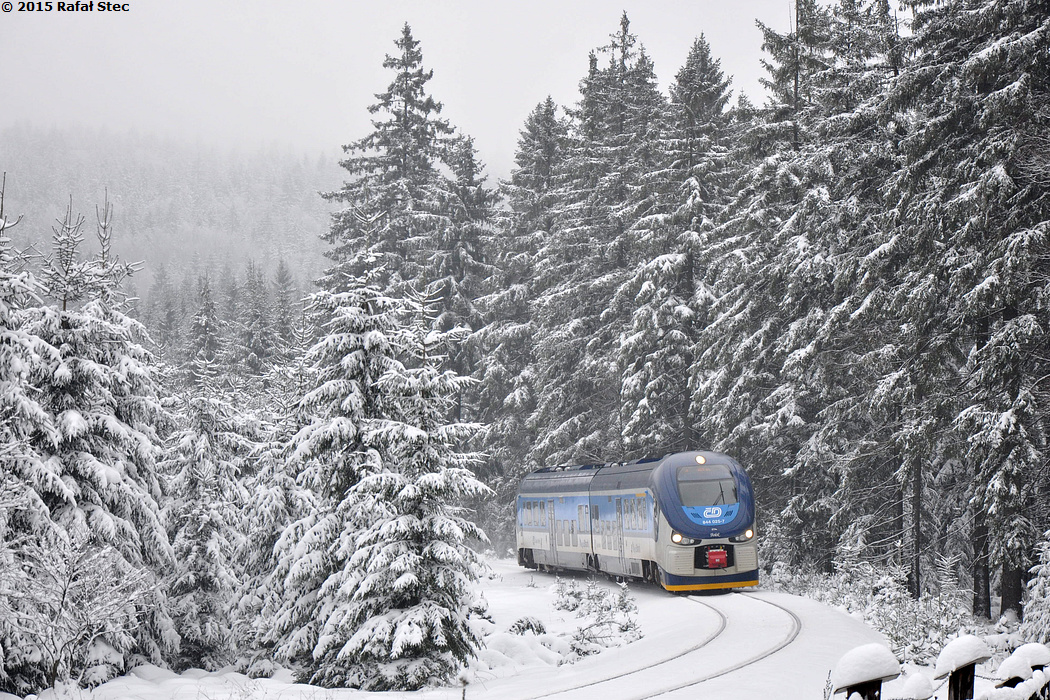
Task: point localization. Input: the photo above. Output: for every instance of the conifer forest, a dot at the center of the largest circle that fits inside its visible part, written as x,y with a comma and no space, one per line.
285,437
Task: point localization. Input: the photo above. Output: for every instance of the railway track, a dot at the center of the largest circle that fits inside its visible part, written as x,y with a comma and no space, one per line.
609,684
796,628
722,622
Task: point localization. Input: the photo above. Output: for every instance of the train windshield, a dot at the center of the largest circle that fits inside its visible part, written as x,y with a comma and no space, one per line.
706,485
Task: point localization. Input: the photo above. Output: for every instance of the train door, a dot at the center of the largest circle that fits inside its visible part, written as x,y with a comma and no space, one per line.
596,532
619,535
552,528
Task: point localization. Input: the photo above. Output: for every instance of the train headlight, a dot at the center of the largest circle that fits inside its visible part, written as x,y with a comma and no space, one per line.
676,537
748,534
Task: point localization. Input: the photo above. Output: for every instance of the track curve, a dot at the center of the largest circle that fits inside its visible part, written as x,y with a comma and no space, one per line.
723,622
675,672
796,628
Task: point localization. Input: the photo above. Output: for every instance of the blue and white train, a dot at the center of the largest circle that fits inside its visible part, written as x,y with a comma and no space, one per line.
685,521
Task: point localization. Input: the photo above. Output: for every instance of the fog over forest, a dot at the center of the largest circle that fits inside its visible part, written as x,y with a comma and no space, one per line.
287,440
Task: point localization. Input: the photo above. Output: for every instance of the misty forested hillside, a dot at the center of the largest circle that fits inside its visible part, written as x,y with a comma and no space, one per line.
180,208
844,287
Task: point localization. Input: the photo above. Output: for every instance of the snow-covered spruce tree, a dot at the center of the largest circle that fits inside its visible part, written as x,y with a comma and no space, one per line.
274,501
456,270
380,458
336,442
392,200
406,624
204,462
203,344
254,343
23,513
851,468
286,305
1036,624
661,297
591,251
978,83
91,448
163,313
506,393
746,407
850,461
20,413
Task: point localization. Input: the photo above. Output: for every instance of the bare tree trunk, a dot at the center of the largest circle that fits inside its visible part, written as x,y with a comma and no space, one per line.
982,598
915,582
1010,589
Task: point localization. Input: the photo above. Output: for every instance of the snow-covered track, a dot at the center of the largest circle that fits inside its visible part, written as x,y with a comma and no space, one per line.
574,690
675,672
792,634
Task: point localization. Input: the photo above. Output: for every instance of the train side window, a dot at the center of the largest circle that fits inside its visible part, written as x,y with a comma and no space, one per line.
632,514
543,514
572,533
526,516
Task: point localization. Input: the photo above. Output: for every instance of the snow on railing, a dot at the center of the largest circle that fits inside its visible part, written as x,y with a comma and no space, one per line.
958,661
861,671
1024,675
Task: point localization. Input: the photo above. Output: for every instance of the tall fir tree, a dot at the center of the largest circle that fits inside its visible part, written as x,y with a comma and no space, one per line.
412,569
391,202
966,202
286,308
506,387
255,343
662,297
337,442
203,348
590,253
91,449
204,463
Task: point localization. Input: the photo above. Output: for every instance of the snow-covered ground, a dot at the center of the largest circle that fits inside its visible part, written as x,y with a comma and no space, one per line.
736,646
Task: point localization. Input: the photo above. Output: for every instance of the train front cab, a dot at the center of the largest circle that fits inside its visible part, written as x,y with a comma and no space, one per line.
705,537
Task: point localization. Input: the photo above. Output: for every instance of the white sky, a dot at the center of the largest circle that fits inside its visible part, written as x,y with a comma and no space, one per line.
301,73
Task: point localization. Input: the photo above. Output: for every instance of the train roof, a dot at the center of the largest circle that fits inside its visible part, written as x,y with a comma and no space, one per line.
613,475
591,467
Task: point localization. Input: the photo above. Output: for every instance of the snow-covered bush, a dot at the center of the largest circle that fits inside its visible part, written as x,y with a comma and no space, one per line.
609,619
70,608
915,629
568,595
527,624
